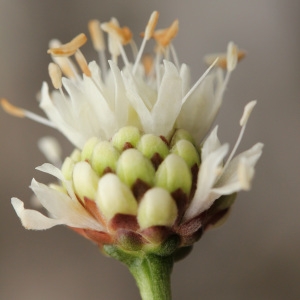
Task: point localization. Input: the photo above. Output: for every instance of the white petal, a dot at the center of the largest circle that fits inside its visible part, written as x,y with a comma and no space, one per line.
208,174
233,178
211,144
62,207
168,105
52,170
51,149
32,219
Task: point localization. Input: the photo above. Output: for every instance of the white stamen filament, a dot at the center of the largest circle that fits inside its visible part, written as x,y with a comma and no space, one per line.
243,122
148,34
199,81
175,57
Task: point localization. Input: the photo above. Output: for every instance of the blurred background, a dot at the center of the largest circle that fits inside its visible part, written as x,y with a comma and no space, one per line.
255,255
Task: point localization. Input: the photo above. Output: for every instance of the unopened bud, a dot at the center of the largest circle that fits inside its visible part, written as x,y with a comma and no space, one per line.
150,144
125,136
85,180
132,165
67,168
88,148
114,197
187,151
173,173
157,208
105,155
181,134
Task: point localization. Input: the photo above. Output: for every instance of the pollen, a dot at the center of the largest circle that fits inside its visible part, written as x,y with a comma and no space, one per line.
11,109
70,48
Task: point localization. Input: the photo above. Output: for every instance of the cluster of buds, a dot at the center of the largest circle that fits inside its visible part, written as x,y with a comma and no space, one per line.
138,187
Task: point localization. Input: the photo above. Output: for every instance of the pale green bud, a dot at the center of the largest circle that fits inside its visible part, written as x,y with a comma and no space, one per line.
76,155
104,155
173,173
88,148
157,208
128,134
150,144
85,180
133,165
113,197
187,151
67,168
181,134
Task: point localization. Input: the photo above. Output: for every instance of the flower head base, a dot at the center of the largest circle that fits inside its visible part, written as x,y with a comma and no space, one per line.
144,172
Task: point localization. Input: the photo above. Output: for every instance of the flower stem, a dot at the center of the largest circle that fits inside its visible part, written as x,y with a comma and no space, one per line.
152,272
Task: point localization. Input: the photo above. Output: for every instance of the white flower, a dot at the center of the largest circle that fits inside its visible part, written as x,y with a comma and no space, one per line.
106,110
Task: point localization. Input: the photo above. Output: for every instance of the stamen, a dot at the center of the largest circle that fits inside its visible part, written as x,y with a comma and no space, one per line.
199,81
55,75
165,36
243,122
70,48
175,57
82,63
149,31
222,63
96,35
232,56
11,109
21,113
99,43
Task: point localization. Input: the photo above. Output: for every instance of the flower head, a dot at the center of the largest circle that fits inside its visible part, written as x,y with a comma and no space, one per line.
145,169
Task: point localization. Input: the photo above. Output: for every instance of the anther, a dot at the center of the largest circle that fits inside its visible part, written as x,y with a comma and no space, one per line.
222,62
96,35
11,109
82,63
70,48
151,25
165,36
55,75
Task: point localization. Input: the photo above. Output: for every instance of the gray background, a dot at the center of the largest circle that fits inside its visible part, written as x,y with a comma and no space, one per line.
256,254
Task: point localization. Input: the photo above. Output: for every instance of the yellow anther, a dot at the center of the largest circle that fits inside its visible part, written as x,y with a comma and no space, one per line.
96,35
82,63
70,48
11,109
164,36
222,61
151,25
55,75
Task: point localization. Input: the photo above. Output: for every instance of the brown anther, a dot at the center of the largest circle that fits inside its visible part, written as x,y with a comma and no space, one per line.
82,63
151,25
70,48
222,61
96,35
55,75
164,36
11,109
147,61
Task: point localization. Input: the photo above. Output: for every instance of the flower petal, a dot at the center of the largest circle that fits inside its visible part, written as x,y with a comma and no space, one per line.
208,174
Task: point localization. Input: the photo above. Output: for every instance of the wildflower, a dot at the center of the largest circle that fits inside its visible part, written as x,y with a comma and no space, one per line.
146,178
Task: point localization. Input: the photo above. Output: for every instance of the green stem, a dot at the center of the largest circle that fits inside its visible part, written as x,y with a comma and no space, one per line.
151,272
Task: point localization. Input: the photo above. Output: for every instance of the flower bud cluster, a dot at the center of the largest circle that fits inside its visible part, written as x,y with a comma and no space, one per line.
137,185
